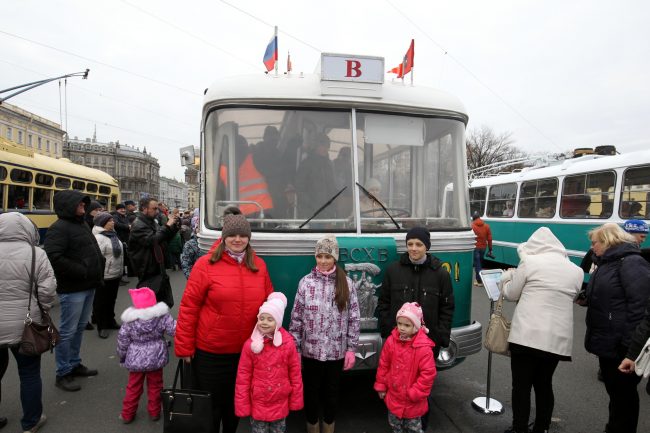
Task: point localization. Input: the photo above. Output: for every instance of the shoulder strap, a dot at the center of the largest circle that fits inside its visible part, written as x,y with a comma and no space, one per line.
33,286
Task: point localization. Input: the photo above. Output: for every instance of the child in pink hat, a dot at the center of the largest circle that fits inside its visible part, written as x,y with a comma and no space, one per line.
406,370
269,382
143,351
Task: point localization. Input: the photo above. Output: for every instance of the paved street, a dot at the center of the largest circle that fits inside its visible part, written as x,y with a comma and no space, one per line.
581,401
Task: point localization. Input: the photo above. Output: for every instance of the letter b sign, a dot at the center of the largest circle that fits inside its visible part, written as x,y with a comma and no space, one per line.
353,68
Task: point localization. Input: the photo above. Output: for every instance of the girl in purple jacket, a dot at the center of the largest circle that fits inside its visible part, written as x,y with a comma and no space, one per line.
143,350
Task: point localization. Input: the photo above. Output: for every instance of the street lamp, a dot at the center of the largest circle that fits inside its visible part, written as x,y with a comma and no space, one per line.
29,86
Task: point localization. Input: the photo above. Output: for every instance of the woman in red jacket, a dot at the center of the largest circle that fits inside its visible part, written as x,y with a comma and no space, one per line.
269,383
218,309
406,370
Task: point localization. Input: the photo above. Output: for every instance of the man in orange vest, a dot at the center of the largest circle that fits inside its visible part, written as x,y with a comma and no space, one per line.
483,240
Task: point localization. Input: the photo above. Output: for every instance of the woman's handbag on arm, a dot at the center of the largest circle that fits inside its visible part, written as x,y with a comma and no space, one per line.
186,410
40,337
498,330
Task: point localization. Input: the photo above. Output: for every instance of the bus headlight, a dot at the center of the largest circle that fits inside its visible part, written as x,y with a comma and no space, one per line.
447,355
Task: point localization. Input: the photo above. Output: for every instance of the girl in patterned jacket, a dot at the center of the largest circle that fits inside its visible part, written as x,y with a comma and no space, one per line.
406,371
143,351
325,324
269,383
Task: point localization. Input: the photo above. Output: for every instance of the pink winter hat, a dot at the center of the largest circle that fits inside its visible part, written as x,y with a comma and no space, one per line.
413,312
274,305
143,297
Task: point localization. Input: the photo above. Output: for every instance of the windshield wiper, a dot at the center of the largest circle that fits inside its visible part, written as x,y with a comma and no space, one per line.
376,200
323,206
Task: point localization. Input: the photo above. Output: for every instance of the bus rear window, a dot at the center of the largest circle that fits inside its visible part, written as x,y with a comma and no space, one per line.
21,176
62,183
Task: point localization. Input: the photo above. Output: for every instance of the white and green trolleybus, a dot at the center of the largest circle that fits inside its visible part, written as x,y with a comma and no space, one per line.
570,197
403,144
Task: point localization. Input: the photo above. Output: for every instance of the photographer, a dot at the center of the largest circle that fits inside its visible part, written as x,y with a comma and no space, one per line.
148,244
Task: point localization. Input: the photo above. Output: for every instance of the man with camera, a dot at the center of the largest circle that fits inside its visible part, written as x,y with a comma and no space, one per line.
148,248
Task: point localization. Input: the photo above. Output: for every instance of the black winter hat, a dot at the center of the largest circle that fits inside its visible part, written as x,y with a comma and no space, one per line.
420,233
119,206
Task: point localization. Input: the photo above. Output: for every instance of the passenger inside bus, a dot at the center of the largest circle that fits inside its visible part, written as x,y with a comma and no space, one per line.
509,210
631,209
268,160
576,206
546,208
315,182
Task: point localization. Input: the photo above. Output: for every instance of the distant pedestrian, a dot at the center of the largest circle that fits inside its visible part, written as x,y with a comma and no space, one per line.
93,208
18,238
111,248
483,241
79,268
123,230
143,351
269,361
406,371
131,210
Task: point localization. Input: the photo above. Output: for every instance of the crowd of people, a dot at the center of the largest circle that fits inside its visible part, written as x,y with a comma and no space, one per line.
229,332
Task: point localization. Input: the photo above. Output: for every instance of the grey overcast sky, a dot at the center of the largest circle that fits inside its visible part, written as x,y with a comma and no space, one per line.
557,74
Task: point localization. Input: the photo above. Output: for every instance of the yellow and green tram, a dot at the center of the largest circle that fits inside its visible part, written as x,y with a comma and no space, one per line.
28,182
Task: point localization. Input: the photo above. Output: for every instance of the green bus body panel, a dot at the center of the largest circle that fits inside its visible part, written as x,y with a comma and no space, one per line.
572,236
287,271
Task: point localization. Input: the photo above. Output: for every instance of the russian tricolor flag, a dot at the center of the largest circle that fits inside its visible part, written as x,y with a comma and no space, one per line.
271,53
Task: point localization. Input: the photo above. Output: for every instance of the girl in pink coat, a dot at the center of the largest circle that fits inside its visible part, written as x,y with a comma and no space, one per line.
406,371
269,383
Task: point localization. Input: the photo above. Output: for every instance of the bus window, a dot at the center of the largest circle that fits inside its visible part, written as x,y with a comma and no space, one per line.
62,183
2,197
588,195
44,179
3,173
104,190
18,197
42,199
499,196
635,193
477,200
113,200
538,198
78,185
91,187
21,176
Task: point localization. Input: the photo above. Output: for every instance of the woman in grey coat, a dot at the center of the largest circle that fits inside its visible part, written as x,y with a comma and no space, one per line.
17,236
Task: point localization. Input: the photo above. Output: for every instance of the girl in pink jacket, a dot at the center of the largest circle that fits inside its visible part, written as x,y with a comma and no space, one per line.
269,383
406,370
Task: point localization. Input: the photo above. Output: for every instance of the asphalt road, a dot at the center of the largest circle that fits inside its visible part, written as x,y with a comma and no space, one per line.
580,400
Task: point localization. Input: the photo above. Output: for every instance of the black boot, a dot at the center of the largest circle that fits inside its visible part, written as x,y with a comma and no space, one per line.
3,422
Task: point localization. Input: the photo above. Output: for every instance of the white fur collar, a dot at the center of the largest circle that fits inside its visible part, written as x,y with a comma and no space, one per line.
131,314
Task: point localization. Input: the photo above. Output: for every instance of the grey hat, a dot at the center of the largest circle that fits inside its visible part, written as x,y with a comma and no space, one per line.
102,218
235,225
328,245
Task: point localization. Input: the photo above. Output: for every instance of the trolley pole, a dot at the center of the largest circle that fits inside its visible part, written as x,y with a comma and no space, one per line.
25,87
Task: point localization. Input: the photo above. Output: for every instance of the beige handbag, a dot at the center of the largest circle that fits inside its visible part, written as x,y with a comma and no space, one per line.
498,329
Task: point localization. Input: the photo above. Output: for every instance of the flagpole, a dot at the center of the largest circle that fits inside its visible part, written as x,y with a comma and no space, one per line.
276,51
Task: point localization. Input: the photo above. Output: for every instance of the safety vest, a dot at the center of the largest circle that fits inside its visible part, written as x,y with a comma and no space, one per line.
252,186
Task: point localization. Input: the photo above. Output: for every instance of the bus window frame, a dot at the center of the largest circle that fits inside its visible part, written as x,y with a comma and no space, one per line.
481,211
64,179
20,182
537,198
489,200
3,172
43,175
623,200
564,198
82,189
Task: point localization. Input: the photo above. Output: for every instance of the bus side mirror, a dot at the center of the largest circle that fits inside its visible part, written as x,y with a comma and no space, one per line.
187,155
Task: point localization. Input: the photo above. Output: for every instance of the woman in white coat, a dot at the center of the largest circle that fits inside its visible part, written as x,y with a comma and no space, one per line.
111,248
544,285
17,237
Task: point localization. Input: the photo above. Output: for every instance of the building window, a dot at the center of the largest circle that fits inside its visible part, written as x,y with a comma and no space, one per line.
29,140
40,143
56,148
10,133
20,137
47,146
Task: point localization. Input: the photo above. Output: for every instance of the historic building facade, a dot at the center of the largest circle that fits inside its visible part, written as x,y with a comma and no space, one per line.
137,171
192,181
173,193
33,132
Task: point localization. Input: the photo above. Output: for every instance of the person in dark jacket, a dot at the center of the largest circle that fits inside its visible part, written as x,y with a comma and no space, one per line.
79,269
131,213
315,182
418,277
91,210
148,241
123,229
639,339
616,297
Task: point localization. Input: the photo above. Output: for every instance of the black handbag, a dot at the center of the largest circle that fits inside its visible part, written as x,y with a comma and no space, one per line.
37,337
186,410
159,283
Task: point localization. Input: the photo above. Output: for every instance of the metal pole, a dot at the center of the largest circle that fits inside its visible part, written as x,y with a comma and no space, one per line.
487,405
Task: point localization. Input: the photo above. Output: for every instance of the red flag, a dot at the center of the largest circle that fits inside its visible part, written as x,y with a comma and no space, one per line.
396,70
288,62
407,63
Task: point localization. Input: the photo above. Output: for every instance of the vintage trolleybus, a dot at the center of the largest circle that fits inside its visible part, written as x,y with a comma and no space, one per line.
570,197
300,156
28,182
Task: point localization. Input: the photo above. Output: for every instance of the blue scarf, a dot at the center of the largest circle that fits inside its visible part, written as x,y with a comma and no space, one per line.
115,242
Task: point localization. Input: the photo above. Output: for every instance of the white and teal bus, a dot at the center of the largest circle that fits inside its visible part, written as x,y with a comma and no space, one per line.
570,197
404,144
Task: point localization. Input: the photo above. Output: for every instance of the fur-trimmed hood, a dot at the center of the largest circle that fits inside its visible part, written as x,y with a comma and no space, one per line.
131,314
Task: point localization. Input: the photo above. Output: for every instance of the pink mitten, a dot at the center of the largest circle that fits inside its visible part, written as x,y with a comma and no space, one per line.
348,363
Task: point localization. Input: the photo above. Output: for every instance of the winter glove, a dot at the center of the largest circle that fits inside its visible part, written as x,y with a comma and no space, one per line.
348,363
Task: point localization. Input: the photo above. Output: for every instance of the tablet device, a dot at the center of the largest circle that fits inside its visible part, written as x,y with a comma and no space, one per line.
491,279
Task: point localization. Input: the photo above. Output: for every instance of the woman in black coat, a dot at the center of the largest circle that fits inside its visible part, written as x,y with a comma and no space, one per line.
616,298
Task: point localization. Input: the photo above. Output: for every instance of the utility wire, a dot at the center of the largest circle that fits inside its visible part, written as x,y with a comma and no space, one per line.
188,33
117,68
473,75
101,95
